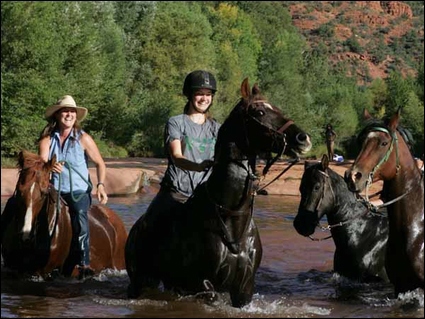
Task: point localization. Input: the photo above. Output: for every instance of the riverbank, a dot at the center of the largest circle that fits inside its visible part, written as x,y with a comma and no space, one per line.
129,176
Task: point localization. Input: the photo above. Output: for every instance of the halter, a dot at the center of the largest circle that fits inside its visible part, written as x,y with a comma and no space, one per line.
329,227
280,132
342,223
281,129
394,140
46,196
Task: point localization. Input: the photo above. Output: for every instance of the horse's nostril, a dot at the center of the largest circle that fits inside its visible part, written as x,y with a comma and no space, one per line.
301,137
358,175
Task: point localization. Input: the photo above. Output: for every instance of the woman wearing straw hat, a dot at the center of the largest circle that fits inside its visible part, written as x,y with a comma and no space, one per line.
63,137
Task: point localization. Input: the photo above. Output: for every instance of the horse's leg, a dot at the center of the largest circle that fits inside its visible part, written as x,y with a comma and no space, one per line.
7,215
148,239
139,255
242,289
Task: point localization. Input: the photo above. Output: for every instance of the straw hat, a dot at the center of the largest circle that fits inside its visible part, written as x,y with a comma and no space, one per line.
68,102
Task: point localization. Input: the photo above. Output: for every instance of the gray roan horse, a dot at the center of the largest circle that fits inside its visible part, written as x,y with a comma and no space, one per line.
213,243
386,156
360,234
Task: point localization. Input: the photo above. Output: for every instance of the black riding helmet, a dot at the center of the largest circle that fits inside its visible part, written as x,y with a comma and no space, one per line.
199,79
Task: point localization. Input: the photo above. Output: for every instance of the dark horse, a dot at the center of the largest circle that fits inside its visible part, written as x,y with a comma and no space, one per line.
385,156
37,237
360,235
213,243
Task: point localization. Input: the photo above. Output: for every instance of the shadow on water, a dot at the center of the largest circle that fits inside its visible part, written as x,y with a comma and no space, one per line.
295,279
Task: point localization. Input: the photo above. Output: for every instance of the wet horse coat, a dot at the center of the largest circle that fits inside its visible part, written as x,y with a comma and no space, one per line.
360,235
386,156
212,242
37,232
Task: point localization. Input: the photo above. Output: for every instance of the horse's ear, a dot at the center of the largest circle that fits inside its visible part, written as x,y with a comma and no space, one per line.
255,89
21,159
245,89
325,162
366,114
49,164
393,123
53,160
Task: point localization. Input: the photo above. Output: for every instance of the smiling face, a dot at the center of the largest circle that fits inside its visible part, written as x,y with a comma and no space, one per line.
201,100
66,117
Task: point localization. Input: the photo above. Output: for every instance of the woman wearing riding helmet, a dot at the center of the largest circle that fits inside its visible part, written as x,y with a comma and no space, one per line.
189,140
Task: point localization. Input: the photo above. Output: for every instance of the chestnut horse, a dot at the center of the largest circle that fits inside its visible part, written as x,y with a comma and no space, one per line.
36,227
360,234
386,156
211,243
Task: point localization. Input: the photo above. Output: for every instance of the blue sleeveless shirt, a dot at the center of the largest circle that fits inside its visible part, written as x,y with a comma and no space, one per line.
73,153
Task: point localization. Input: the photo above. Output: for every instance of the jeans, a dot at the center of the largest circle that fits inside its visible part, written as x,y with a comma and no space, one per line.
78,210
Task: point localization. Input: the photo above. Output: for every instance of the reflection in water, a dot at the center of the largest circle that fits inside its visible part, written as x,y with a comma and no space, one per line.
294,280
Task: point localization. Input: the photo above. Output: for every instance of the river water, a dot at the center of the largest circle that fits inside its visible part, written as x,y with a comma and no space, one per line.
295,279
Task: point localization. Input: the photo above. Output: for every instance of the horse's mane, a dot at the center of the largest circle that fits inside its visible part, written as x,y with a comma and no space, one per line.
28,160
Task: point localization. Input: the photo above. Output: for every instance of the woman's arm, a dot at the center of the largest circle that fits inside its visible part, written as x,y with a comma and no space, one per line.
182,162
93,152
43,151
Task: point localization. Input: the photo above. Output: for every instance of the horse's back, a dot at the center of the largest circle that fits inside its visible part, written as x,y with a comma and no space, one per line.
107,238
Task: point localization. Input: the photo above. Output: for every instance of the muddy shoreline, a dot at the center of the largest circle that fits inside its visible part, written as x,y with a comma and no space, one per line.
130,176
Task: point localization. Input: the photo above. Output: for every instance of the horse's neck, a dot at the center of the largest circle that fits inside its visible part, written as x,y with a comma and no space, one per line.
345,205
407,181
406,189
231,179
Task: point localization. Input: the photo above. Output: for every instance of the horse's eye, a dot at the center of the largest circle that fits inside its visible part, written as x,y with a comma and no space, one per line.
384,143
260,113
316,187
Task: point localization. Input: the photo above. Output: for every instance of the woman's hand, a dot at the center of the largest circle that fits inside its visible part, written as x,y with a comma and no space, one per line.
205,165
102,197
58,167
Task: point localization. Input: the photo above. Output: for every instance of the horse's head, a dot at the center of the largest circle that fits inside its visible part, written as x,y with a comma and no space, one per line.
32,187
261,128
315,199
382,149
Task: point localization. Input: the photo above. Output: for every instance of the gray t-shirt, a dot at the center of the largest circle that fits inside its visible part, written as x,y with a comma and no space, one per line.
198,142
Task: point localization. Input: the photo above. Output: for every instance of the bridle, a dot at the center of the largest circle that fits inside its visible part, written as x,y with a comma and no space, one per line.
384,159
276,133
249,193
46,198
329,227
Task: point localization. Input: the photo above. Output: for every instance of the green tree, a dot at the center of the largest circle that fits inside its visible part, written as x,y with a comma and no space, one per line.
412,117
176,41
31,69
50,49
237,49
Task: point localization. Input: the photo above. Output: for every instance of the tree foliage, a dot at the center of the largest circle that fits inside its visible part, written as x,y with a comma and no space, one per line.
126,61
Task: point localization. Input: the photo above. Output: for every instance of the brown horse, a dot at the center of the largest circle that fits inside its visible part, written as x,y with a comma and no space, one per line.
386,156
36,227
211,242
